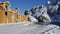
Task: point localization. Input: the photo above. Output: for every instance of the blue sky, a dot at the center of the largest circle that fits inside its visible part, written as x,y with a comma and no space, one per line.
24,4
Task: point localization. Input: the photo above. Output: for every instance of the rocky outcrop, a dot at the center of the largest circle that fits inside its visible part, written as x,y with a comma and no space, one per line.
47,13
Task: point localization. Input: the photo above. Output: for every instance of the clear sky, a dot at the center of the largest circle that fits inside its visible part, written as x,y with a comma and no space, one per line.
24,4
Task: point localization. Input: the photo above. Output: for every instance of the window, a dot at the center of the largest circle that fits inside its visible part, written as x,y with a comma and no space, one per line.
6,7
1,8
6,13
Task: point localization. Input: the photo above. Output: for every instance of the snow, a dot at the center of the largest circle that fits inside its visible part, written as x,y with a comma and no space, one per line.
27,29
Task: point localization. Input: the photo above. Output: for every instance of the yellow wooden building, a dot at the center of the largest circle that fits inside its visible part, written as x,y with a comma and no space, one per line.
10,16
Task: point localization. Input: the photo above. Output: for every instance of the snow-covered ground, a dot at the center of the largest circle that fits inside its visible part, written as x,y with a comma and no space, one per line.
27,28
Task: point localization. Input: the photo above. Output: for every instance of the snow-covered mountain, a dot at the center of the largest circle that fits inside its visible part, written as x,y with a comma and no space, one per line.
48,12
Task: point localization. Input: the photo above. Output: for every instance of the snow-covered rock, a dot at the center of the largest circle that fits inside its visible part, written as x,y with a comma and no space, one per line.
49,12
32,19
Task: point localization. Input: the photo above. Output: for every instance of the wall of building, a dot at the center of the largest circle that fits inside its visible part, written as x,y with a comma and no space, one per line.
22,18
10,16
